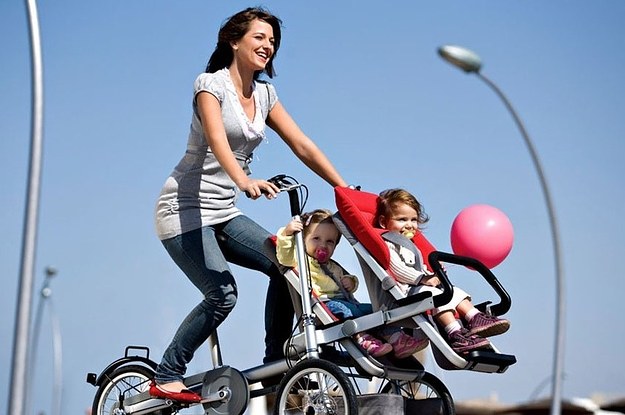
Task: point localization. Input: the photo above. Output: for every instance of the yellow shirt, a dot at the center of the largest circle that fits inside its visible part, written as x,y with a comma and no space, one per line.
322,284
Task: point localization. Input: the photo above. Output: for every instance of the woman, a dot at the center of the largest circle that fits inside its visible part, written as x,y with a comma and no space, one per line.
196,217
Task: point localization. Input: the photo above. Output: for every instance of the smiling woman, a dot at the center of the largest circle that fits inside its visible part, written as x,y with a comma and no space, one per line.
196,215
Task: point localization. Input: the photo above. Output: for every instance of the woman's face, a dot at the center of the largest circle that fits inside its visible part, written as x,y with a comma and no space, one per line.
256,47
321,240
403,219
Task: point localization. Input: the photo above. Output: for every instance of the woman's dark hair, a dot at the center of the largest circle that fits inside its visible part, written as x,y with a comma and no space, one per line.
234,29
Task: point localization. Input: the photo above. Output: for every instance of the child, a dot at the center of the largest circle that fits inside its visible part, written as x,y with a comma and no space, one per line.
332,283
399,211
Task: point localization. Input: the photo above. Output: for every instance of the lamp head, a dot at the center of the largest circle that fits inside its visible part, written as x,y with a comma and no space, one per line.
51,271
461,58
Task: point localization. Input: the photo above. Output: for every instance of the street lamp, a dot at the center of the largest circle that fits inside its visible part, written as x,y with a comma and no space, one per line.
470,62
46,298
19,361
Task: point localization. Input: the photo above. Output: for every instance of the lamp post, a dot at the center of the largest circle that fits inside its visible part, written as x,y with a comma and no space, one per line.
46,298
22,319
470,62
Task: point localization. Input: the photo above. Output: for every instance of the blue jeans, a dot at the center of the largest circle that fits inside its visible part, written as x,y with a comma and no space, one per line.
343,308
203,255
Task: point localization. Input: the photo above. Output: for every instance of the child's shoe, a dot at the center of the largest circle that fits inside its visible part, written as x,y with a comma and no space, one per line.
405,345
462,341
373,346
486,325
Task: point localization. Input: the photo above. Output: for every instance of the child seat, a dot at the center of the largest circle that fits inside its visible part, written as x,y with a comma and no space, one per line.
355,216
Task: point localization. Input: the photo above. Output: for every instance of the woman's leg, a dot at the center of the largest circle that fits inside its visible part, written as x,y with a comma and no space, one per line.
198,255
247,244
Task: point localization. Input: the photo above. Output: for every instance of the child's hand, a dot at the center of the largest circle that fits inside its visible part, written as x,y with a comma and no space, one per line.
294,226
348,284
431,280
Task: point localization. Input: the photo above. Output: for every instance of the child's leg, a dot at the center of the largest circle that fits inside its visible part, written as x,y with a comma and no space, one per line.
460,340
343,309
480,323
339,309
375,347
403,344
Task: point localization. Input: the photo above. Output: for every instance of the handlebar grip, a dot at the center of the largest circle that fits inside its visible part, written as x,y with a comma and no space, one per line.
275,180
248,195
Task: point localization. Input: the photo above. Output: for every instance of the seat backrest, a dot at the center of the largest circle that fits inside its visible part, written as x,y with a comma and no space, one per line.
358,210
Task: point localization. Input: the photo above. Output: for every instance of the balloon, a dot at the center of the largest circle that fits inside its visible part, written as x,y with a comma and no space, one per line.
482,232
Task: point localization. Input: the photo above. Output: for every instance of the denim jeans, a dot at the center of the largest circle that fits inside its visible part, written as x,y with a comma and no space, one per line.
343,309
203,255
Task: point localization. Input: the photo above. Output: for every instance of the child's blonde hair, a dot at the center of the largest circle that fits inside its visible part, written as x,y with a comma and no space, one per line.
317,216
389,199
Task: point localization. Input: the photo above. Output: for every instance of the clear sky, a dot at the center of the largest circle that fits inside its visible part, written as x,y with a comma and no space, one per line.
364,80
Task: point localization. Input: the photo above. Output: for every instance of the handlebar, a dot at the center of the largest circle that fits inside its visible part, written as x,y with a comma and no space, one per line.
287,184
505,302
282,182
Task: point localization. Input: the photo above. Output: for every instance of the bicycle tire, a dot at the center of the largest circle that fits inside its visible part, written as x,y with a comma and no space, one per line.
315,386
123,382
428,387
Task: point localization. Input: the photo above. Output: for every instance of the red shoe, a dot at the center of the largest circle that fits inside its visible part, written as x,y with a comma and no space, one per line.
184,396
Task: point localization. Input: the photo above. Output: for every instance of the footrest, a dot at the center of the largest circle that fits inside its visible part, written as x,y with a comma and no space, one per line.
480,359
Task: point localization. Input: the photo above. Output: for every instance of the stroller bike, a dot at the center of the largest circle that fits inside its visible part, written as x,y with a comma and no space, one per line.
324,369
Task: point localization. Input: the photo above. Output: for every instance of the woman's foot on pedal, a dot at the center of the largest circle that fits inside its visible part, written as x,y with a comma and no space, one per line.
463,342
182,394
373,346
405,345
486,325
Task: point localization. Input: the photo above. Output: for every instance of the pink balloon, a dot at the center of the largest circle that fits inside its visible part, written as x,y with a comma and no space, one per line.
482,232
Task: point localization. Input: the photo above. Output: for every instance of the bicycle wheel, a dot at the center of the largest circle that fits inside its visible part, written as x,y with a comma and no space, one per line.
316,387
425,395
123,383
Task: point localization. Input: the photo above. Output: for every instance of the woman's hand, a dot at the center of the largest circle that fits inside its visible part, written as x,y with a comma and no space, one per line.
255,188
295,225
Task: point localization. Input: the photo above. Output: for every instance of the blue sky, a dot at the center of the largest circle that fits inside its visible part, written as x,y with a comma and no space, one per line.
363,79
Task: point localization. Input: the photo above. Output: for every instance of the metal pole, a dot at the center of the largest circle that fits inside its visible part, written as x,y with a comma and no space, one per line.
32,352
558,356
57,344
25,293
45,298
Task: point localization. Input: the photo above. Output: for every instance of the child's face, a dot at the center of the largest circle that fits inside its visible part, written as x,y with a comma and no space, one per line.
403,219
321,241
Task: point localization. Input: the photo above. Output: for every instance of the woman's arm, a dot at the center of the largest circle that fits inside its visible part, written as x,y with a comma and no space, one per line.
303,147
215,133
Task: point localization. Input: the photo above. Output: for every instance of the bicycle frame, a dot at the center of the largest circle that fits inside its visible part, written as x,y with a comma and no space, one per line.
143,403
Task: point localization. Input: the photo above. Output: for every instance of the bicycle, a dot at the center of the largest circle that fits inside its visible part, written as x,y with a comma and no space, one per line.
323,364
